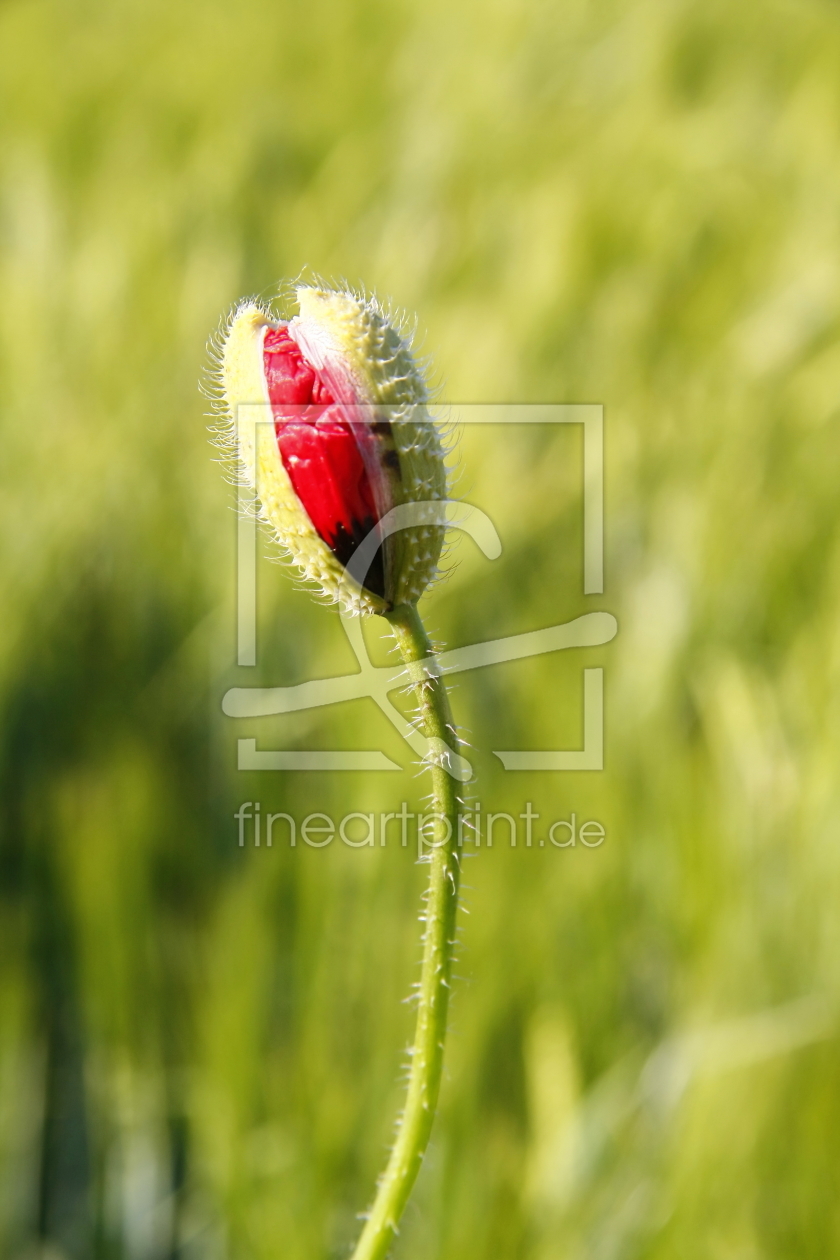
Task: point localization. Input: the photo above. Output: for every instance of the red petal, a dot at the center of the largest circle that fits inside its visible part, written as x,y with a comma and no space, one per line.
319,451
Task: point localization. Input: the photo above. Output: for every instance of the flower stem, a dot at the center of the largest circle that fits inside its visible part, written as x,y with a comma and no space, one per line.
438,942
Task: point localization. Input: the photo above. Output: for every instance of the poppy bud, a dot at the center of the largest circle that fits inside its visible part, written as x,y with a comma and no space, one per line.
352,439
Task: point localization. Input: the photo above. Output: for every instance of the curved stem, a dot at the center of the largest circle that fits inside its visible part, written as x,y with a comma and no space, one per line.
438,942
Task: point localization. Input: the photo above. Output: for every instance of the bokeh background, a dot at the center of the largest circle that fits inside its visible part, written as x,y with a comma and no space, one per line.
201,1045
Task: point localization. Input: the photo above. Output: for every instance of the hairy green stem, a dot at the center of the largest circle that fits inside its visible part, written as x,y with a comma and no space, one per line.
438,942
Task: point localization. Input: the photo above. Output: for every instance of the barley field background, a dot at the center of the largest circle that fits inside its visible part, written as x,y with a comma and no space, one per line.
201,1044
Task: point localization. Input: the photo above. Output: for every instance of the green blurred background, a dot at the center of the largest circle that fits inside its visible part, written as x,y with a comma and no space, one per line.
201,1045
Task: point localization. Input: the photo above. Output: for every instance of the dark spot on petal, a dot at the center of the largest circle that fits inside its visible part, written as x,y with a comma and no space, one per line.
343,544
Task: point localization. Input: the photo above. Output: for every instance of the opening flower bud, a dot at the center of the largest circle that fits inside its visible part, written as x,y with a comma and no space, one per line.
341,434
